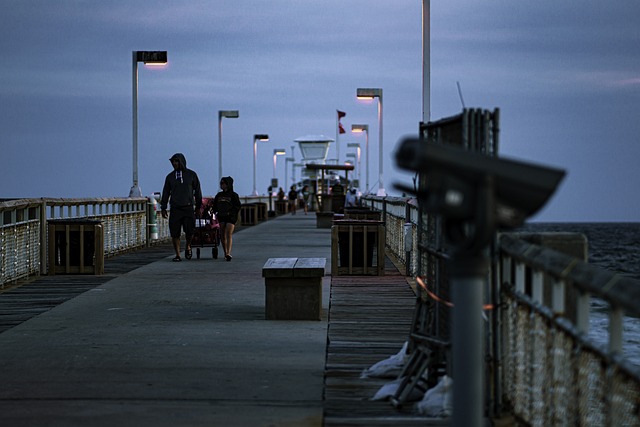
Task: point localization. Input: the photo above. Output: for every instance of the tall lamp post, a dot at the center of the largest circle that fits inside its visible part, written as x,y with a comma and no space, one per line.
369,93
287,160
277,152
293,171
352,162
365,129
358,156
149,58
256,138
229,114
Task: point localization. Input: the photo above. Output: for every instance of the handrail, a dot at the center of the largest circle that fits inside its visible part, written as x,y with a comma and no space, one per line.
23,226
619,291
543,364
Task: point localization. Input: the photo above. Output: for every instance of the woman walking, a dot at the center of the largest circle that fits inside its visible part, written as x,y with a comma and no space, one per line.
306,198
293,199
227,204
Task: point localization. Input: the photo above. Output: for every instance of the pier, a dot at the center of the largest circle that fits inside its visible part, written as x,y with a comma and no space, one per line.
136,339
152,342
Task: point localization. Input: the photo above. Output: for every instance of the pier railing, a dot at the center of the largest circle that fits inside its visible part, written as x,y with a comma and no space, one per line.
544,364
23,228
125,222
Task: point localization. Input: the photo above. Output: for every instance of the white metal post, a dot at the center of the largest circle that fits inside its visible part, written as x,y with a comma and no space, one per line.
219,145
426,61
381,190
255,158
135,188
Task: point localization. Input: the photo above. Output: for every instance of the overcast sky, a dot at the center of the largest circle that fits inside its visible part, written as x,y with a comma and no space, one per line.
565,75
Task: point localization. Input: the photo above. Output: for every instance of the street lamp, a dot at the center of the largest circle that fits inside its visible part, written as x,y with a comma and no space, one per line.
369,93
287,160
277,152
358,154
293,171
256,138
365,129
230,114
149,58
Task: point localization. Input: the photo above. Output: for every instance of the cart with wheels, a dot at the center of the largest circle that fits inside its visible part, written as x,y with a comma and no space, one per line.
207,231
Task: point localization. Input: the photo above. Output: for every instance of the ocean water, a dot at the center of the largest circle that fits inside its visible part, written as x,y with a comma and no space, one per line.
615,247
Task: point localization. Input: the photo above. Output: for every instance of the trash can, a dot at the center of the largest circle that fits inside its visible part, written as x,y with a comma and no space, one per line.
362,213
357,247
248,214
282,207
262,210
76,246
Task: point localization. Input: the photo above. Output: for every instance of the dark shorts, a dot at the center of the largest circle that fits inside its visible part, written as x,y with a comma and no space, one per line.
227,219
182,219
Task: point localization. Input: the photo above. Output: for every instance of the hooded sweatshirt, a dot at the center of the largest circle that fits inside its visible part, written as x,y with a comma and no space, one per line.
182,186
227,203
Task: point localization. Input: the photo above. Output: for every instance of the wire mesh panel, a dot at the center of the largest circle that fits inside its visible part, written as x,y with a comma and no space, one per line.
554,376
624,395
20,253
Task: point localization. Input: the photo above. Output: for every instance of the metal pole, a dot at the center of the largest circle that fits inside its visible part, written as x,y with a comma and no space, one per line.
135,189
467,333
219,146
274,167
381,191
293,159
359,166
337,136
255,155
366,140
426,61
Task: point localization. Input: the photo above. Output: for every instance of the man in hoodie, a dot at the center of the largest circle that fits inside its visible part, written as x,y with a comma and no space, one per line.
182,186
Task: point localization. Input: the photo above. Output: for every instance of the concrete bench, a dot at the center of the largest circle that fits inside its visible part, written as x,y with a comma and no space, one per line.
293,288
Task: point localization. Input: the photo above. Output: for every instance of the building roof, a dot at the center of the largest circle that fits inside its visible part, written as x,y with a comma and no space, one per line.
314,138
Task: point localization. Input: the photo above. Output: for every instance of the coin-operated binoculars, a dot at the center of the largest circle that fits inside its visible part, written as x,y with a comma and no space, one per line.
475,195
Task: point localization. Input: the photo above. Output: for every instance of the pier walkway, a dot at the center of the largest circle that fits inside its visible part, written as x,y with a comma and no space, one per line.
154,342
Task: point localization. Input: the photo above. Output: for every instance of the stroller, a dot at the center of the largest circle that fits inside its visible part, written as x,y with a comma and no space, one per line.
207,231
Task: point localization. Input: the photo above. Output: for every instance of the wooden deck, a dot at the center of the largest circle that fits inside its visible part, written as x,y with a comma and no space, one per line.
369,320
26,300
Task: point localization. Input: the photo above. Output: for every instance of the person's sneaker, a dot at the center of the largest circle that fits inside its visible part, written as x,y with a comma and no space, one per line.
177,259
228,257
187,253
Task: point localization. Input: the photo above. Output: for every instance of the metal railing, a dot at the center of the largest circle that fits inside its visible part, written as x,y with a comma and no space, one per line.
23,229
542,365
553,373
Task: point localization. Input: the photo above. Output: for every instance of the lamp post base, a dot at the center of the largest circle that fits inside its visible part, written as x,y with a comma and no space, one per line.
135,191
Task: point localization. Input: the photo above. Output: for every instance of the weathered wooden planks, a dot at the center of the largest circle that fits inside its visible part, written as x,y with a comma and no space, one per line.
21,303
369,320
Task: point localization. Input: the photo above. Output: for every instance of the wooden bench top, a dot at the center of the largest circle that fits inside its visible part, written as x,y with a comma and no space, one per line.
294,267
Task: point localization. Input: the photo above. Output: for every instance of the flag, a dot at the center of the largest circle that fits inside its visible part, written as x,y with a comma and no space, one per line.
341,114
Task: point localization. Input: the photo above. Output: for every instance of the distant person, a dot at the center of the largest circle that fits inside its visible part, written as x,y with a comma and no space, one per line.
227,206
337,189
280,194
293,199
306,198
182,190
351,201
